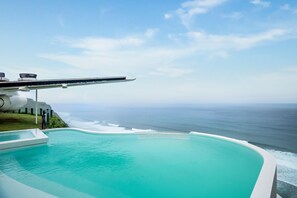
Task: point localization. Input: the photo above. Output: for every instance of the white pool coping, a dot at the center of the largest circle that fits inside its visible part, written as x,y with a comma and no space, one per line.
39,138
266,182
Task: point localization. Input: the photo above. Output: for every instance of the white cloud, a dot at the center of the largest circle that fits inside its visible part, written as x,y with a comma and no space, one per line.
128,55
189,9
168,16
148,63
235,42
220,54
129,62
196,5
132,56
93,43
151,32
106,44
171,72
233,15
285,7
264,4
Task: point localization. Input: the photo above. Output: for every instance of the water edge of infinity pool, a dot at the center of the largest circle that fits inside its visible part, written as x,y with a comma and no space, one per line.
132,165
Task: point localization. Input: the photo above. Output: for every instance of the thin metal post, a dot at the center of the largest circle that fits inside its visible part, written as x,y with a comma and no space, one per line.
36,106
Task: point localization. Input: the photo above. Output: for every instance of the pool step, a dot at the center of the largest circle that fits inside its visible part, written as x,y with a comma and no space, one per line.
48,186
14,189
44,185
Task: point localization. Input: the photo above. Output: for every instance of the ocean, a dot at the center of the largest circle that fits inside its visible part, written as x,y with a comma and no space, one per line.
270,126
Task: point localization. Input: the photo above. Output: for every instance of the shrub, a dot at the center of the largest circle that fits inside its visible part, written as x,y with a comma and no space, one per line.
56,122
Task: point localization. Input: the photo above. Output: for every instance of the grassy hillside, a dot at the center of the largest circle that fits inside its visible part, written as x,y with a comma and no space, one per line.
12,121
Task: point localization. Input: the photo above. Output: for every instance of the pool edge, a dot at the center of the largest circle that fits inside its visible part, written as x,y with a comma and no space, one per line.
39,138
10,185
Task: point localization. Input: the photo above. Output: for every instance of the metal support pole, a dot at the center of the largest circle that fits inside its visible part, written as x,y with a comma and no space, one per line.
36,106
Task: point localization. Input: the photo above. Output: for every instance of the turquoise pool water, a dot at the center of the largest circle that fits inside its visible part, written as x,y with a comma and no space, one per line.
4,136
137,165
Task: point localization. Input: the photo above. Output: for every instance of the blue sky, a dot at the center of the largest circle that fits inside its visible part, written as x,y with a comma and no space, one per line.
199,51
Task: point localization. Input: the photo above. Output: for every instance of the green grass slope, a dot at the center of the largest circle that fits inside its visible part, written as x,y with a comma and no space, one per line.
13,121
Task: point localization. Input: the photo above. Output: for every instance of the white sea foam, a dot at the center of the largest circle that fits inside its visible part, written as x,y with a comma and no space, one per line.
142,130
98,126
113,125
286,166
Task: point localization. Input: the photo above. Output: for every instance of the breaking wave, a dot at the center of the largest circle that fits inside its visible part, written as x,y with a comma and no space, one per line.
101,126
286,166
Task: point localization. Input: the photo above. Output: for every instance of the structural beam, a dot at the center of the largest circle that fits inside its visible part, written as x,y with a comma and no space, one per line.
36,106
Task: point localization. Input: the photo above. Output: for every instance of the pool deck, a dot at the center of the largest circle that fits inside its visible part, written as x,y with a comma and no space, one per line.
264,187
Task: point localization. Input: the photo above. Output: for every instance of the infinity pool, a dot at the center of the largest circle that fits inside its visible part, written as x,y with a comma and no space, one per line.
77,164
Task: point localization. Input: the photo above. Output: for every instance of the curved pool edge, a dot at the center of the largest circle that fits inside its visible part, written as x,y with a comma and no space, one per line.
266,183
